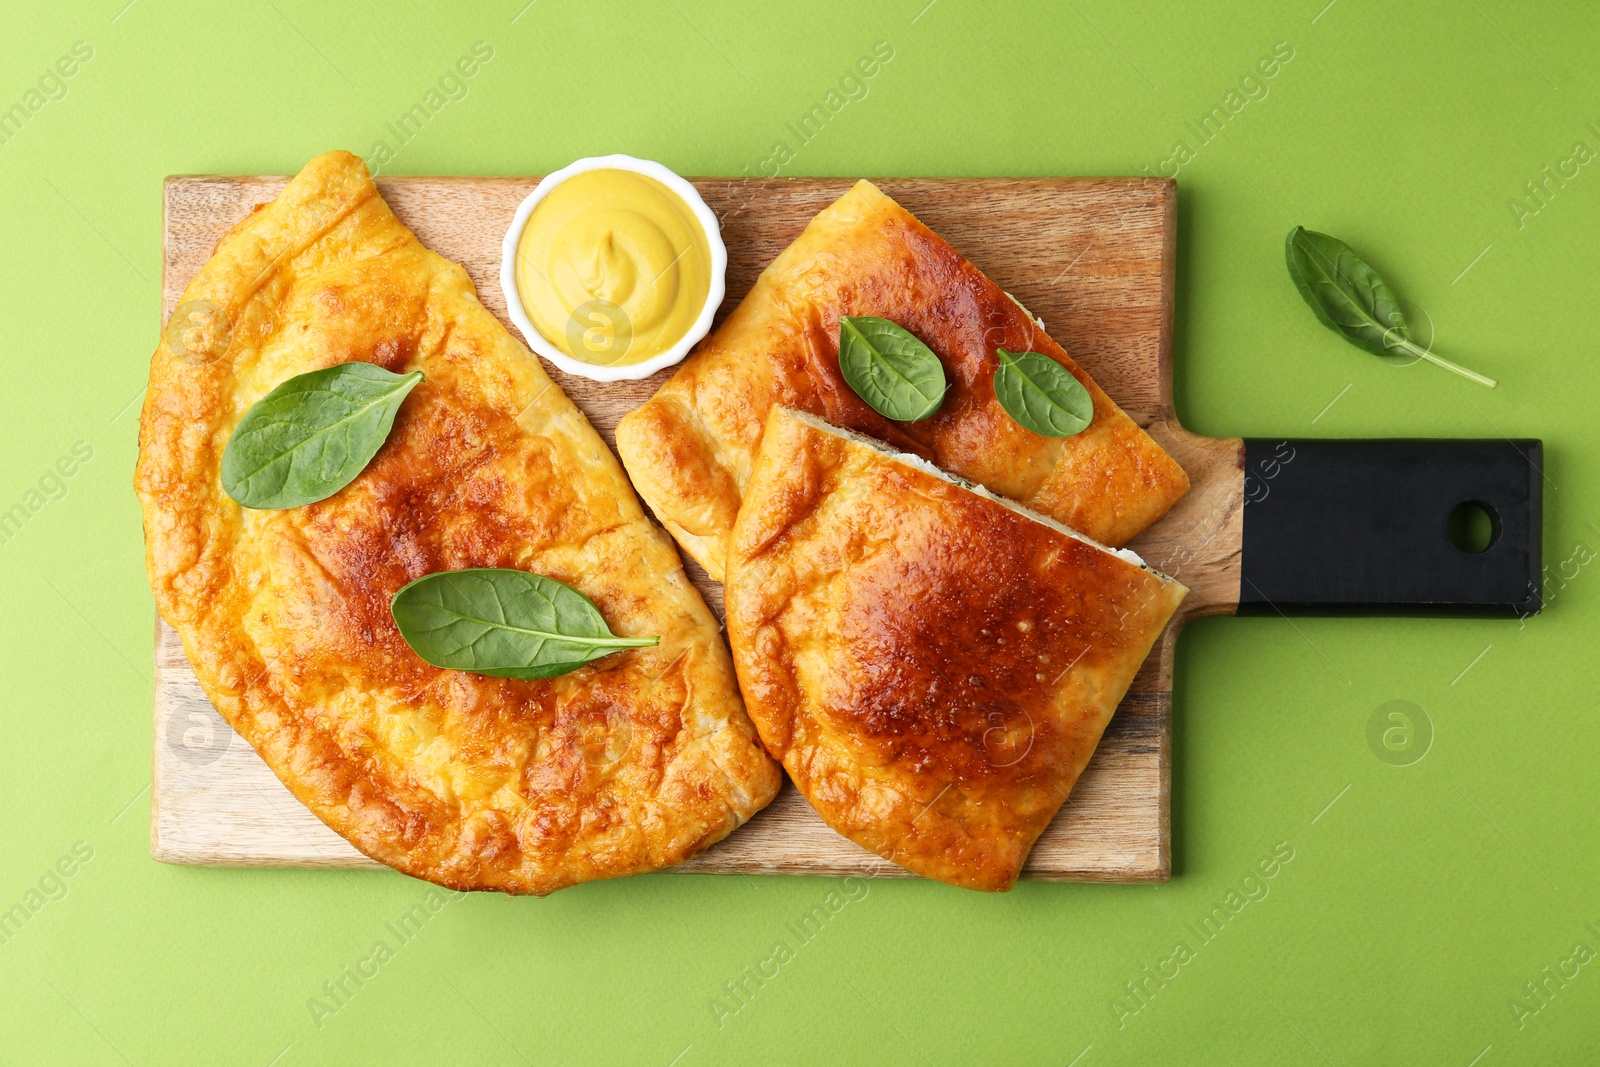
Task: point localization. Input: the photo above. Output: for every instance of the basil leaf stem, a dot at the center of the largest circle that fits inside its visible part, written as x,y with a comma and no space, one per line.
1350,298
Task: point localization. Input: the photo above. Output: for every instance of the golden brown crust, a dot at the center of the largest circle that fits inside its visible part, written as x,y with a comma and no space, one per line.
635,762
933,667
690,448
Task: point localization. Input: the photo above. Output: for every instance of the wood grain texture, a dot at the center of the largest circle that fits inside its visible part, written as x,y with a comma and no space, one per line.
1093,257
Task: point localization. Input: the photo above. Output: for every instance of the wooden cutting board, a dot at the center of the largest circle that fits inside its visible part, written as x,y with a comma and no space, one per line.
1094,258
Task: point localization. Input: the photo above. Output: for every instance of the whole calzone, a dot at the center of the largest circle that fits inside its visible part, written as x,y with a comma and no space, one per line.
639,760
691,447
933,665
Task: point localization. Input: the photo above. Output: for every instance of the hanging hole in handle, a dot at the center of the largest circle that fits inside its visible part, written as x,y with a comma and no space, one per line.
1473,527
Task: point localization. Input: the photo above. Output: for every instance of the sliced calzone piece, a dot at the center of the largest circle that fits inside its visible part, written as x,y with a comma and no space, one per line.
636,761
933,665
691,447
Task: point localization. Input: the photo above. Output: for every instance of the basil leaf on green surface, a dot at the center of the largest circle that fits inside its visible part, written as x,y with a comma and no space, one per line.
504,623
311,436
897,375
1350,298
1041,394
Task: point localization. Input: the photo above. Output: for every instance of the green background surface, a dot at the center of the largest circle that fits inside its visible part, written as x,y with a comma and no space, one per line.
1420,897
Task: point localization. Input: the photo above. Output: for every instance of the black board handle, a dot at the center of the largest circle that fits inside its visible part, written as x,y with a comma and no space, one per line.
1363,527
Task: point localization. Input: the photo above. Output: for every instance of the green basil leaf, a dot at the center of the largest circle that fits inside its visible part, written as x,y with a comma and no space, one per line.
897,375
504,623
311,436
1350,298
1041,394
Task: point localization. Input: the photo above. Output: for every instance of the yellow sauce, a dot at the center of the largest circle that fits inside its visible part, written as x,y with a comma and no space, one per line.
613,267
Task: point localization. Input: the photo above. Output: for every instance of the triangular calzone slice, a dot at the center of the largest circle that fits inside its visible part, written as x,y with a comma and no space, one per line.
933,666
636,761
690,448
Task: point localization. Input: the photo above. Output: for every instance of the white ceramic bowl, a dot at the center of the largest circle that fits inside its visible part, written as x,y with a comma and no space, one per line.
714,293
